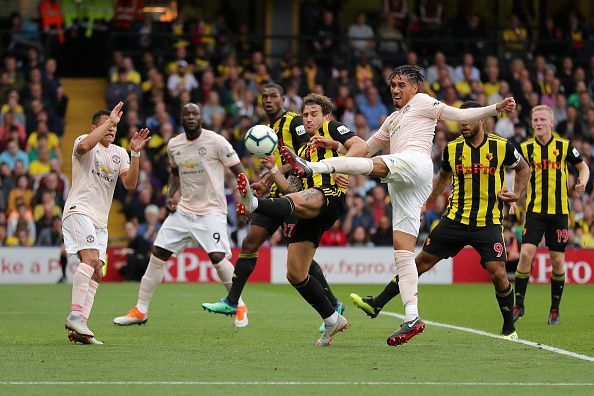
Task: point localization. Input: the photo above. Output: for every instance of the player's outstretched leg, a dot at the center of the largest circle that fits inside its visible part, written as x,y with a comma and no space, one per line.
300,165
151,279
373,305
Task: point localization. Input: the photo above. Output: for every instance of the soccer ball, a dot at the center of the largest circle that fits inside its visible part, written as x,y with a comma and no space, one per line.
261,140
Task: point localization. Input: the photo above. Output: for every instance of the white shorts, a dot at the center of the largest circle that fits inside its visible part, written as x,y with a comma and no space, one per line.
80,233
410,183
180,228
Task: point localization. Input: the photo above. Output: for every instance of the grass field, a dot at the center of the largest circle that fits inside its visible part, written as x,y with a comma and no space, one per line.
181,343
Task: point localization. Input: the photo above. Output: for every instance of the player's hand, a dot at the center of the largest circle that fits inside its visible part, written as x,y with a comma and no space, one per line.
324,142
116,113
140,139
259,188
342,181
268,161
508,196
580,186
170,205
513,208
507,105
243,219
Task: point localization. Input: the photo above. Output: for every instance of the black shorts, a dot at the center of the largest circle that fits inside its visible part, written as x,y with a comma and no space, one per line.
449,237
553,227
300,230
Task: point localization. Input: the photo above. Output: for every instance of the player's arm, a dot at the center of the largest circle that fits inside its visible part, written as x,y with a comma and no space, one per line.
137,143
173,185
445,112
575,158
515,161
440,181
278,177
91,140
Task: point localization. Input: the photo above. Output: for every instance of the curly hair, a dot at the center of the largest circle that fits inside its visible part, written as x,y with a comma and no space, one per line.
413,73
323,101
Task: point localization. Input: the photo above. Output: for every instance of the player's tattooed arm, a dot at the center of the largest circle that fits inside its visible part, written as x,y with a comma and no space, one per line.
172,188
439,184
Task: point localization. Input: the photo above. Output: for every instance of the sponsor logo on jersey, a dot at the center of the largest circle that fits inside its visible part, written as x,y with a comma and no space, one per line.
189,164
343,129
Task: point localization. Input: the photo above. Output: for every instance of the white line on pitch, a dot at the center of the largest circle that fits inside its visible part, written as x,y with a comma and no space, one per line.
484,333
526,384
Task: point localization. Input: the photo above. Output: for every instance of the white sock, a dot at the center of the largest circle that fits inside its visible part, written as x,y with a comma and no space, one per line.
90,299
80,287
408,282
346,165
332,319
225,271
151,279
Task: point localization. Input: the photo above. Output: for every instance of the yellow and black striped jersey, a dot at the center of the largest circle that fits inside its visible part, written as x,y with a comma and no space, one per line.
478,174
334,130
291,133
547,188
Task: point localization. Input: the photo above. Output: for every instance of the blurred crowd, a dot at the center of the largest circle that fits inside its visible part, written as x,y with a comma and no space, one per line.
221,66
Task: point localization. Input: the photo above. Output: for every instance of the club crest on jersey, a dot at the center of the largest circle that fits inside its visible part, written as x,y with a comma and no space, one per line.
555,153
202,151
90,239
115,159
461,158
300,130
406,108
489,156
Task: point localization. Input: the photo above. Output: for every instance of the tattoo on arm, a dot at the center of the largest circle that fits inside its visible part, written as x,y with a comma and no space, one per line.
310,194
295,184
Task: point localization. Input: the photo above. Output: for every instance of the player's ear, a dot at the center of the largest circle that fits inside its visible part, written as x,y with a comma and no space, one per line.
93,127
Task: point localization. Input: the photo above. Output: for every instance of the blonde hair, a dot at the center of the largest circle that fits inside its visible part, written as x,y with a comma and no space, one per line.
543,108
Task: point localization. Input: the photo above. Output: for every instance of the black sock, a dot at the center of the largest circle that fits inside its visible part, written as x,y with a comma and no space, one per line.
557,283
521,285
243,269
505,299
390,291
276,207
316,272
311,290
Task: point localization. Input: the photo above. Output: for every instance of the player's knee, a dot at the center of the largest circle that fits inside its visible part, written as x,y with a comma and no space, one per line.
216,257
499,276
98,266
249,245
295,276
161,254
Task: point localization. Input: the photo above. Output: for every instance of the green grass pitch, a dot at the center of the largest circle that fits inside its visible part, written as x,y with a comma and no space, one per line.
181,342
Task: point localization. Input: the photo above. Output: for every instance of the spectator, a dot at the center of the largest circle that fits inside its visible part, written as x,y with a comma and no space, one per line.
372,108
361,37
359,237
181,80
515,39
433,215
572,125
149,229
383,236
14,154
41,165
21,219
475,74
52,236
135,253
211,108
357,215
326,42
20,194
118,90
439,62
335,236
391,45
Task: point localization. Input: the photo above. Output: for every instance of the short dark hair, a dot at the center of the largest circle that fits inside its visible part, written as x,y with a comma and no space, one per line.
411,71
470,104
316,99
98,114
279,89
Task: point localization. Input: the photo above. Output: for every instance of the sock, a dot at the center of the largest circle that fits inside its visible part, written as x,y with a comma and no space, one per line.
521,285
408,282
80,287
330,320
557,283
276,207
505,299
243,269
225,271
390,291
311,290
90,299
151,279
346,165
316,272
